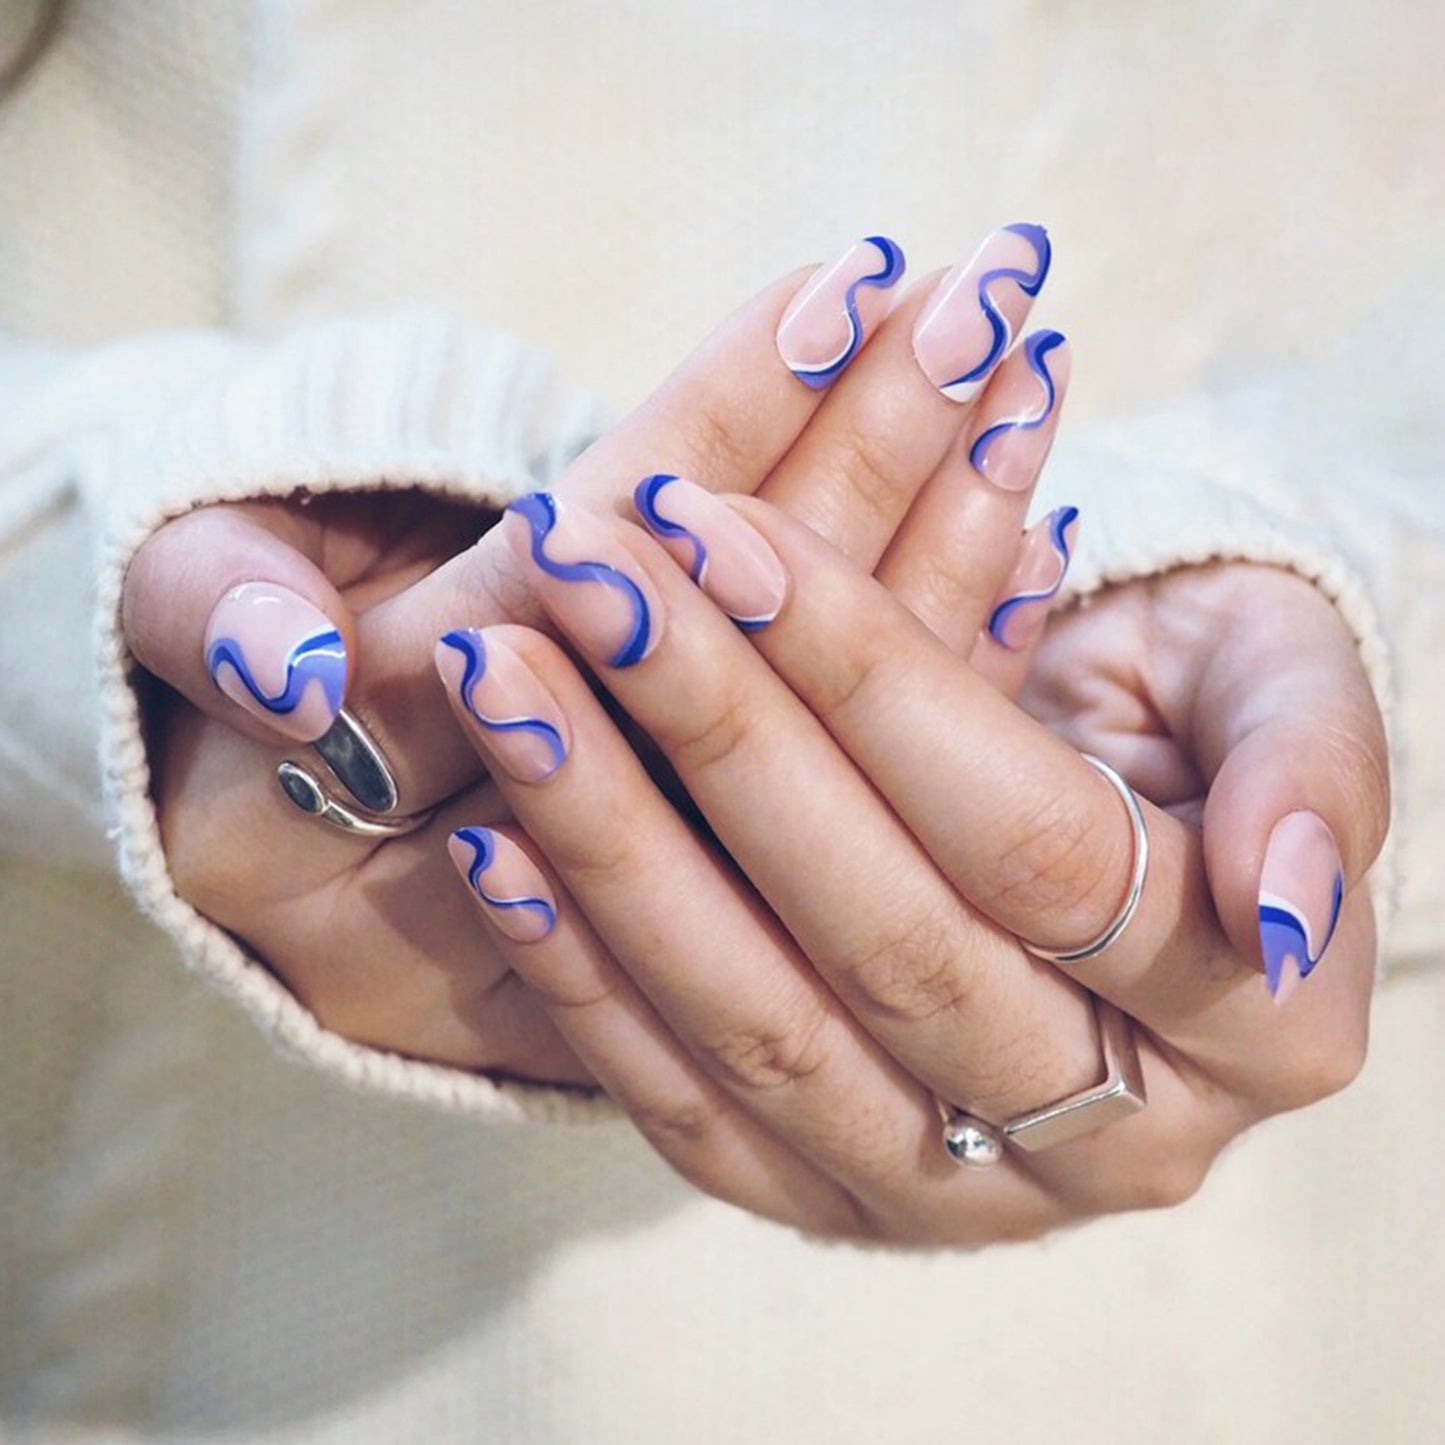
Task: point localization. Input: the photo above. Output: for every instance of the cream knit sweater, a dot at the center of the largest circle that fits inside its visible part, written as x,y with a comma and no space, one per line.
251,246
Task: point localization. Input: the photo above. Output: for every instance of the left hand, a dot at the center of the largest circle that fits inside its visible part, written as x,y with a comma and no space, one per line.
780,1036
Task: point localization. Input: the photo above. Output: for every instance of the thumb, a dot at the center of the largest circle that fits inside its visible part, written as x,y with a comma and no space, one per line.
240,623
1287,725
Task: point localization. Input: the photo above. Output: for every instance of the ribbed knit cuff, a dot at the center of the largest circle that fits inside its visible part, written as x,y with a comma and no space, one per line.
406,401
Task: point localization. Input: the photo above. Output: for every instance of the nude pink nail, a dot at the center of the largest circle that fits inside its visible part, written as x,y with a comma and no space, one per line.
517,719
837,308
1018,416
1023,606
722,554
279,657
585,579
1301,892
510,887
978,309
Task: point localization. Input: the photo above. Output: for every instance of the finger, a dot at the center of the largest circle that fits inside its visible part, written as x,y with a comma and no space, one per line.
953,553
1019,610
627,1047
724,978
222,605
888,424
729,413
948,996
1022,826
1287,727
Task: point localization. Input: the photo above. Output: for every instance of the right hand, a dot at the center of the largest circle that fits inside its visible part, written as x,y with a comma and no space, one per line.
375,939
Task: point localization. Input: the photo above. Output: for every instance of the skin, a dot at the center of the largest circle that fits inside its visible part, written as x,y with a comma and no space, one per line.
871,478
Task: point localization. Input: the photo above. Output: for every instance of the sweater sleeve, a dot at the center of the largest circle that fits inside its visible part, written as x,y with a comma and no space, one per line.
1337,472
98,449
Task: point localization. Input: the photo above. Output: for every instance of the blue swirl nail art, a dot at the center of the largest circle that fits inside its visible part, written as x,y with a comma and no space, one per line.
1059,523
321,657
894,264
645,496
484,854
1029,282
539,509
473,648
1284,932
1036,350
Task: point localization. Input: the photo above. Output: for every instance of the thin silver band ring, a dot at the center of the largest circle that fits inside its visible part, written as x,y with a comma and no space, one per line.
1138,873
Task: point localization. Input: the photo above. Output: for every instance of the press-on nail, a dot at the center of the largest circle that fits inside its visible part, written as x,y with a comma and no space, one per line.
839,305
279,657
1017,418
516,718
511,889
1301,889
1023,606
727,558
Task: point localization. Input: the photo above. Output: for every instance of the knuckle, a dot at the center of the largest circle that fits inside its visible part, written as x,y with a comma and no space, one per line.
1060,865
913,974
1324,1062
722,728
1169,1182
784,1050
877,473
717,443
682,1131
851,679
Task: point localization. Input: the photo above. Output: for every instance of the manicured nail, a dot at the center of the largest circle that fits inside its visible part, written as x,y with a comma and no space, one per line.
517,718
616,617
1020,413
978,309
1301,889
1023,605
722,554
830,318
279,657
511,887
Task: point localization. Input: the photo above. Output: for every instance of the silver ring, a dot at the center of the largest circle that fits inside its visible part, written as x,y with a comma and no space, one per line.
1138,873
977,1144
359,765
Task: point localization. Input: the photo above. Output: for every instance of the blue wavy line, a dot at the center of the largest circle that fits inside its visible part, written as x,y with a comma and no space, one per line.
539,509
484,854
1284,933
1029,282
645,497
1036,350
318,658
894,265
473,647
1060,520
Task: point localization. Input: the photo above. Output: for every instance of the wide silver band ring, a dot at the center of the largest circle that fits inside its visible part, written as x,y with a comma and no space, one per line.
353,757
977,1144
1137,874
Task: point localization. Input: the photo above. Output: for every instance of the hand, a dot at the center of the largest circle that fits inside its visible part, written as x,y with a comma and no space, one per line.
374,939
780,1034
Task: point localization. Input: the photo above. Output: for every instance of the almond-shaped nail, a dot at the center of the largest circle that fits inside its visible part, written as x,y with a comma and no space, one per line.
510,887
279,657
1019,415
830,318
1301,890
1023,606
517,719
725,557
978,309
585,579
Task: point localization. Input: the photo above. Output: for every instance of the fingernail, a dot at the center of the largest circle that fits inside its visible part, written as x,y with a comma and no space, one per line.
511,888
1301,889
1018,419
979,307
517,719
725,557
279,657
1023,605
830,318
614,615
